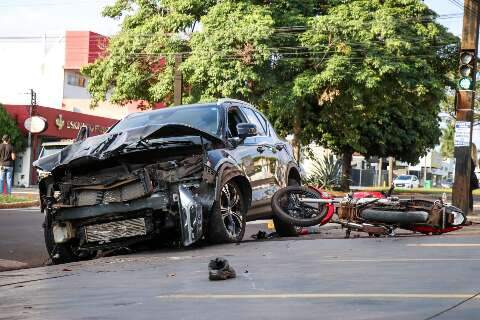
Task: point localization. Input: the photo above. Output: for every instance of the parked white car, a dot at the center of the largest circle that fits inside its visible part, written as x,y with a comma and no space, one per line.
406,181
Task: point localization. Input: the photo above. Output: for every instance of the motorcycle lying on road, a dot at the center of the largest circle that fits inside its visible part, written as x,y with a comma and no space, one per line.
374,213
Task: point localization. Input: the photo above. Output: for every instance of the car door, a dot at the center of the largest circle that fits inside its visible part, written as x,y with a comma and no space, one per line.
280,150
269,156
248,154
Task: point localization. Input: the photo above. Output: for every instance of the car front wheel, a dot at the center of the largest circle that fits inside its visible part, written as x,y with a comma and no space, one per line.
228,220
62,252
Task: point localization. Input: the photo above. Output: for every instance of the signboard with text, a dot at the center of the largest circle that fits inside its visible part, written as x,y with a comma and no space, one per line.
462,134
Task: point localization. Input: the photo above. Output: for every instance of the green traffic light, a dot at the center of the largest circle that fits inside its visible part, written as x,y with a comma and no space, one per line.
465,84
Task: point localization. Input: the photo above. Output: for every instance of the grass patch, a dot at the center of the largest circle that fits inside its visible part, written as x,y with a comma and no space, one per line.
12,199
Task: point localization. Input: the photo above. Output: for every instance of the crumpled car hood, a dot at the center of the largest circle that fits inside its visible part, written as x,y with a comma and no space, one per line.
104,146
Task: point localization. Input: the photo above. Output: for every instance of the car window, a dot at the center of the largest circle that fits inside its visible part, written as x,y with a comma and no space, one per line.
202,117
263,121
404,178
234,117
252,118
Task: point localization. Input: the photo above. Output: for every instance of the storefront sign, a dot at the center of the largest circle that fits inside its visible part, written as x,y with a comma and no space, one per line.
76,125
35,124
462,134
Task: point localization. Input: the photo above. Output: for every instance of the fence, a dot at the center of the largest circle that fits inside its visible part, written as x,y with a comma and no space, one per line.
368,177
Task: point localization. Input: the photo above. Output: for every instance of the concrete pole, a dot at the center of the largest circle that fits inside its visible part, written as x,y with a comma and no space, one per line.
379,178
390,170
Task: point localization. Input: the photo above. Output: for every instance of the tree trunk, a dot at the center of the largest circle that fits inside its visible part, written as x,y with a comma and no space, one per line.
297,129
346,170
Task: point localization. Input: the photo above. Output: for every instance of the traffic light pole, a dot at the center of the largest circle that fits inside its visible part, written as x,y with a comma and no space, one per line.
465,105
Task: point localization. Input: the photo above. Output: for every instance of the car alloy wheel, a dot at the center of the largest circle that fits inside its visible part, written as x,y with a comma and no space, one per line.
231,209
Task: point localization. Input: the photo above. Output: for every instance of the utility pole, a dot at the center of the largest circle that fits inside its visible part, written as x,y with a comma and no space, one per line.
177,81
33,104
465,105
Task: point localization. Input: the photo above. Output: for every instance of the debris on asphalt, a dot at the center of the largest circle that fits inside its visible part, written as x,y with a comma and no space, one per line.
262,235
220,269
66,269
170,275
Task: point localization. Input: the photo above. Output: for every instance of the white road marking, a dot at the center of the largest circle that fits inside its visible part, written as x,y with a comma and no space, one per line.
437,245
322,296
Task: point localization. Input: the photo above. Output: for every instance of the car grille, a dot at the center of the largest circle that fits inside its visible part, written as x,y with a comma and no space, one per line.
105,232
126,192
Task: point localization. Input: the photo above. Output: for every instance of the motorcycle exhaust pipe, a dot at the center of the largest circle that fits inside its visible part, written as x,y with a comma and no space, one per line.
368,228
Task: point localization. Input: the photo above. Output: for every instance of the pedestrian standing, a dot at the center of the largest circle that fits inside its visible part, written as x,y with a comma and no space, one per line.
7,160
473,176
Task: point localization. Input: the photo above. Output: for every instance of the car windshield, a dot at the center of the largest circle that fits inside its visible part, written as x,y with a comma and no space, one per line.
204,118
404,178
47,151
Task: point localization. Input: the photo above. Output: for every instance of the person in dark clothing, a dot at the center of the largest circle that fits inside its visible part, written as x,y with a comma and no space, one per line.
7,159
473,177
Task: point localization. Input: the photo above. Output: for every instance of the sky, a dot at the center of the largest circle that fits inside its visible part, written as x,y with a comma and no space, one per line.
54,17
22,60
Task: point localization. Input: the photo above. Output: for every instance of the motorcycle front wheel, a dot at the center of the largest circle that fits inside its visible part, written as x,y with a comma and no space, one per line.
288,207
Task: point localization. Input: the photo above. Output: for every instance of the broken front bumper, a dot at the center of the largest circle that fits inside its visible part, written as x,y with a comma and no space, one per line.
103,223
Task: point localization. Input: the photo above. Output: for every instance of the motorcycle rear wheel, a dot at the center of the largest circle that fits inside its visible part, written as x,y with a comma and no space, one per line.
289,209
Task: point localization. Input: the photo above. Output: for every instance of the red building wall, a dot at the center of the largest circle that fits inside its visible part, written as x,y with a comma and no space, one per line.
60,124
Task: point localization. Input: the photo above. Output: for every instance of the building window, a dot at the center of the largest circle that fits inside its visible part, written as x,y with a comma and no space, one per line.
75,79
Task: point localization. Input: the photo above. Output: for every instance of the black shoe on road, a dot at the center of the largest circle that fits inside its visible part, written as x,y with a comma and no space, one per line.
220,269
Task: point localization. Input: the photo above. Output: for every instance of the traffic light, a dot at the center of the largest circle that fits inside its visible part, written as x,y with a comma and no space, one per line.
467,67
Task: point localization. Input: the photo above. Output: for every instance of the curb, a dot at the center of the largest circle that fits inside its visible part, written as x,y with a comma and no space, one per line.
16,205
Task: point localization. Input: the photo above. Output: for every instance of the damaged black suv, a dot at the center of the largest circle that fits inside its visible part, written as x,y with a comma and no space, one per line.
189,172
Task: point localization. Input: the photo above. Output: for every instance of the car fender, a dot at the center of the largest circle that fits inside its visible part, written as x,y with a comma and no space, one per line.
293,166
228,171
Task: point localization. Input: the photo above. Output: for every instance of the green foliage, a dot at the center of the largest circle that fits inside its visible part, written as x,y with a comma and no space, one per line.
447,143
363,76
326,171
9,126
382,78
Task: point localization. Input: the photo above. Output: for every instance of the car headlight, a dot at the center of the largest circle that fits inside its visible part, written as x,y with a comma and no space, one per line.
43,174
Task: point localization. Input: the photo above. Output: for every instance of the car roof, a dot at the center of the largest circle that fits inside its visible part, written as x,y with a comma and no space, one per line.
219,102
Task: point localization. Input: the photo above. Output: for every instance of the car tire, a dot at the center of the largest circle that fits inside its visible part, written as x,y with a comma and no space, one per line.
227,221
61,252
284,229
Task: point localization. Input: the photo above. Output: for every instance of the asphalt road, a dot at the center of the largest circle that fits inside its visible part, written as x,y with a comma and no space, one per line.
319,276
21,238
406,277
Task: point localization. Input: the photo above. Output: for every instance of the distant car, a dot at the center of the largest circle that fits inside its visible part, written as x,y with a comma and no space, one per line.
447,183
406,181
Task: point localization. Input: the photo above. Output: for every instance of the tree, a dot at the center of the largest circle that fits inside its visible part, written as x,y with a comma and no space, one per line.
383,75
361,76
249,50
10,127
447,143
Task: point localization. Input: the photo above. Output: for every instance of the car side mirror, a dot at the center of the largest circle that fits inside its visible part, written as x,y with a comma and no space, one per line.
83,133
246,130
